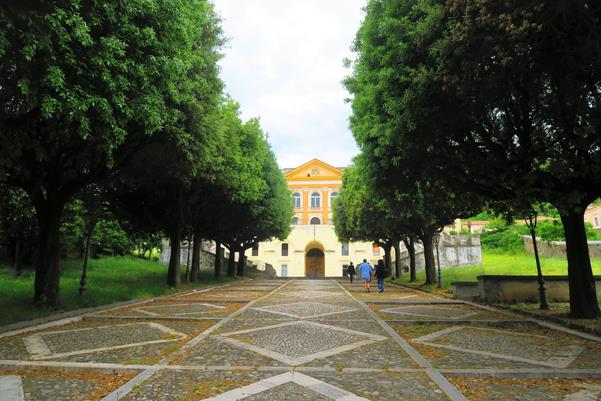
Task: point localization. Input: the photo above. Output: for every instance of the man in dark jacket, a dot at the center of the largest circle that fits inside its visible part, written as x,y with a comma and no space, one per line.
350,270
380,275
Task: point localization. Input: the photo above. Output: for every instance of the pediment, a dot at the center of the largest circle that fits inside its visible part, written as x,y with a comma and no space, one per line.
314,170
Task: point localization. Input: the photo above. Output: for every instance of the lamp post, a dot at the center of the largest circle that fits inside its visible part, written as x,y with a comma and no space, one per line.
436,239
542,292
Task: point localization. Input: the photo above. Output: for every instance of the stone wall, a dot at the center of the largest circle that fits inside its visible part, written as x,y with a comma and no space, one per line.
507,289
207,261
454,250
557,249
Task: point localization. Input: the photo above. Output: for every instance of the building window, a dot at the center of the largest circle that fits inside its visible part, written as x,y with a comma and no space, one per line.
296,220
315,221
375,249
284,271
284,249
333,196
296,200
345,249
315,200
255,251
596,222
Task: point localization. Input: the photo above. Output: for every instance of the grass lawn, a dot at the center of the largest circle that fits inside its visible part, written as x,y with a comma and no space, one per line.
505,264
110,280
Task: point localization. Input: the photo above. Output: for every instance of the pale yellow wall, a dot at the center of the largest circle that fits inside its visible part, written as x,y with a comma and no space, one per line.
299,238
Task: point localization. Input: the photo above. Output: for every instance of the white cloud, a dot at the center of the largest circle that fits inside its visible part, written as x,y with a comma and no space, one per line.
283,63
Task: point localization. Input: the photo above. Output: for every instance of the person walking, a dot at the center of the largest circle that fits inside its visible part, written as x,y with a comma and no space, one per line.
365,273
380,274
350,270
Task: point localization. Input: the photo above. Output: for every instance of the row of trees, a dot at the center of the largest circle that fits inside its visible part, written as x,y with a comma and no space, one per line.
118,106
412,211
497,100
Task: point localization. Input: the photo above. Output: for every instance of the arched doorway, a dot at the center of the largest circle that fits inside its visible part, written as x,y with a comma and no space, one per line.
315,265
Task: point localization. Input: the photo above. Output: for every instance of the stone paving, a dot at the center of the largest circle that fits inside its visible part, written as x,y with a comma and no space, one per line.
299,340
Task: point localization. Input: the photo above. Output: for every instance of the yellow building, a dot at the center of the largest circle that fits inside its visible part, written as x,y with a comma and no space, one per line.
312,248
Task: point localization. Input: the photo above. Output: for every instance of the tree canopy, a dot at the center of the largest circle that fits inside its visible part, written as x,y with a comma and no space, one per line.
495,98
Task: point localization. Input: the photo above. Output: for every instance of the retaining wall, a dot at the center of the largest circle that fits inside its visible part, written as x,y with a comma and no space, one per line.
557,249
504,289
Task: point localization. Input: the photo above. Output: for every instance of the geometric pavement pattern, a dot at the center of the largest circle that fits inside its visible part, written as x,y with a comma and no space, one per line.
313,356
311,294
183,309
428,311
326,390
529,348
62,343
295,343
304,310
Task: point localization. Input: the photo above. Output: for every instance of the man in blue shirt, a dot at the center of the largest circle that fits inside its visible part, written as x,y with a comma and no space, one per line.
365,270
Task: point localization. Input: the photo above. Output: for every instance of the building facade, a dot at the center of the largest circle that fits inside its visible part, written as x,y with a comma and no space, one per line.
593,215
312,248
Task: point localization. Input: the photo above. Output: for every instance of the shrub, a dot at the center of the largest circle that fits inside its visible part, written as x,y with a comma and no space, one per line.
504,240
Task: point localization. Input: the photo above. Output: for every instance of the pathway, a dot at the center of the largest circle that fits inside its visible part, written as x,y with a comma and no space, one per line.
299,340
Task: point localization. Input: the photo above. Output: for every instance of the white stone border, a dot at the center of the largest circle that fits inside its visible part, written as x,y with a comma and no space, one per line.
395,311
11,388
149,313
310,294
318,386
560,361
371,338
39,350
267,309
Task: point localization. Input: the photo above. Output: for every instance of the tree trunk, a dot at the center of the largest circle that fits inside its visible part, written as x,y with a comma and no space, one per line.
231,265
86,256
397,262
17,258
196,247
173,278
187,274
241,263
218,255
387,258
429,257
583,295
412,261
47,271
410,245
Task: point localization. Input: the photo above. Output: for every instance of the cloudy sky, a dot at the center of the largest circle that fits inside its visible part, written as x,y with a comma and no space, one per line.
284,63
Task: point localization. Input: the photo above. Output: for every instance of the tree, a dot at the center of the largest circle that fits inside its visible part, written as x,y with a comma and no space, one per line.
361,215
83,86
261,215
234,180
501,98
17,223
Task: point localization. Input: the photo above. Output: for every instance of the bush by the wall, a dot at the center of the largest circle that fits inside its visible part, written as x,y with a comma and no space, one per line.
506,238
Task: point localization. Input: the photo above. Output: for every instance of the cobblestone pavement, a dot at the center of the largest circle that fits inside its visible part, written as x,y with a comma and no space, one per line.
286,340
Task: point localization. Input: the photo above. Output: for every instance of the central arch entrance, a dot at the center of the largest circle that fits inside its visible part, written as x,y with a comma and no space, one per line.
315,264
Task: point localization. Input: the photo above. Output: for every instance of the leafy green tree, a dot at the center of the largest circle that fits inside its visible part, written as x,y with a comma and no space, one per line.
83,86
259,209
150,193
498,98
359,215
232,179
17,224
270,215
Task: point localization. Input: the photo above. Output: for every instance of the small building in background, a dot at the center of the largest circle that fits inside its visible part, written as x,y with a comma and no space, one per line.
592,215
